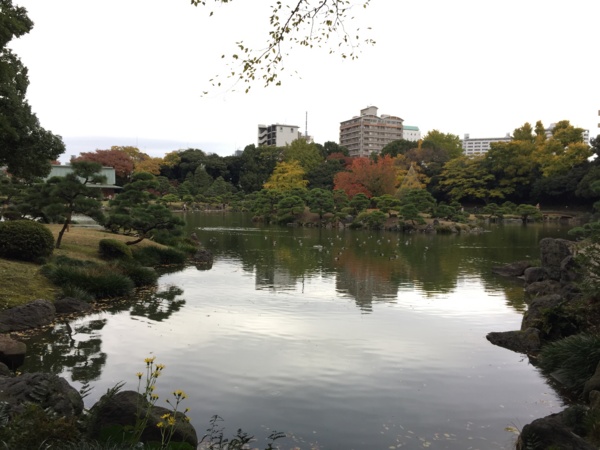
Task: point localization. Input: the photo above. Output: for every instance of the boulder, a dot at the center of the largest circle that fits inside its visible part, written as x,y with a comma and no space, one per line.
546,287
122,409
12,353
51,392
534,316
569,270
534,274
526,341
5,371
593,384
32,315
70,305
552,254
203,259
551,432
515,269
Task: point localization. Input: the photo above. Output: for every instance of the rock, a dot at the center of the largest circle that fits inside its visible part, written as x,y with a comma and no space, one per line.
122,408
515,269
526,341
534,316
594,399
552,253
70,305
203,258
533,274
593,384
32,315
5,371
12,353
51,392
569,270
550,432
546,287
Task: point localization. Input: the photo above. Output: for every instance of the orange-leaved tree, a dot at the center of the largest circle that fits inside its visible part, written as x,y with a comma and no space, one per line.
372,178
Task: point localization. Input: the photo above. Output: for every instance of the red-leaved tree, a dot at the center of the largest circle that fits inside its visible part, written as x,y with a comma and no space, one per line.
115,158
373,179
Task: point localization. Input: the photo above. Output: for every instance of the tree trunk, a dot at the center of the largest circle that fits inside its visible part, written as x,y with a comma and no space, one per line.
62,231
139,239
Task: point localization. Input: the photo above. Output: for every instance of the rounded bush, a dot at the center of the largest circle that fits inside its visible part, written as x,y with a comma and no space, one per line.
140,275
113,249
25,240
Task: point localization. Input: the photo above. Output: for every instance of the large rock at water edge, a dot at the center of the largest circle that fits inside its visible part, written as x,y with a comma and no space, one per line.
49,391
32,315
515,269
123,408
550,432
526,341
12,352
552,254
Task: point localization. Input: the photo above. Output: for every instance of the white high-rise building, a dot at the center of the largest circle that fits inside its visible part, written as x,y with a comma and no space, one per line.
278,134
411,133
479,146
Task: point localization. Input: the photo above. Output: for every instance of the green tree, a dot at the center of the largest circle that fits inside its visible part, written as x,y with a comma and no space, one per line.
528,211
466,177
289,208
423,200
398,147
72,194
305,153
26,148
265,203
410,212
359,202
386,203
448,142
133,210
513,165
323,175
321,202
257,164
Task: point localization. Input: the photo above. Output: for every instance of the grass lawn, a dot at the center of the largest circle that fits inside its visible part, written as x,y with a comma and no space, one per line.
22,282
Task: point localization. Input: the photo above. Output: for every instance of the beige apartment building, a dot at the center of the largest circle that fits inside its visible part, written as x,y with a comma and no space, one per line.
369,133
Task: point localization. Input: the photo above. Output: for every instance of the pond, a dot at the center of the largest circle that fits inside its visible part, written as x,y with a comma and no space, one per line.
339,338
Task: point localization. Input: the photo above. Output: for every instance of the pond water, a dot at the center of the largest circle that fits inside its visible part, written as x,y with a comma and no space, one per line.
342,339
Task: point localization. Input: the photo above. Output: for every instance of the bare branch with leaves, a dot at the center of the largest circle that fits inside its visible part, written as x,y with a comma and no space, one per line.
304,23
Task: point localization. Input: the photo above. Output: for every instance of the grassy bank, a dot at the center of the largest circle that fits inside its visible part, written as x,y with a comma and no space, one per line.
22,282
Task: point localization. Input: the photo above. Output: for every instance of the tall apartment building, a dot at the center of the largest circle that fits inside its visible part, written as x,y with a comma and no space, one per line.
479,146
368,133
278,134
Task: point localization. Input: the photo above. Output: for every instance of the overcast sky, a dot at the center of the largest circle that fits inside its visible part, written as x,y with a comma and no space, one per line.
133,72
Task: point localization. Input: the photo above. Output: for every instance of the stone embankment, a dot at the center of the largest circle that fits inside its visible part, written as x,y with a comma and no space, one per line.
549,289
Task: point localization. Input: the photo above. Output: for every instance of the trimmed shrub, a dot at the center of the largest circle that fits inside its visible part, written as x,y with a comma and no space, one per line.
158,256
140,275
113,249
101,282
25,240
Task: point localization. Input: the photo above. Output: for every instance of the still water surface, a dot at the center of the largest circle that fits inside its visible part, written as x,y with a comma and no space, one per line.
341,339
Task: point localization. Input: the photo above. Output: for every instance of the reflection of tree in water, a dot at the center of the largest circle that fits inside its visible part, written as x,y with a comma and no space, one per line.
157,306
72,347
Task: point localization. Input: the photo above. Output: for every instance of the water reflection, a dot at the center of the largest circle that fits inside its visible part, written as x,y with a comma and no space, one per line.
371,266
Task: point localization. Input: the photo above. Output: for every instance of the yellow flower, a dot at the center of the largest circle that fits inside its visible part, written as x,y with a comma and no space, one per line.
160,366
179,394
160,424
149,360
154,397
165,416
139,375
171,420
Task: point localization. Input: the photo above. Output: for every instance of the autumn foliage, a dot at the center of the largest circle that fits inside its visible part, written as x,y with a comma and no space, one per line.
372,178
115,158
